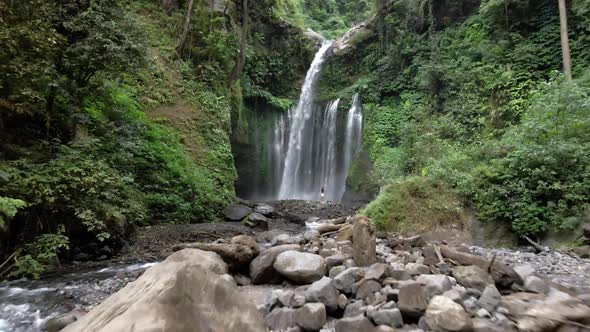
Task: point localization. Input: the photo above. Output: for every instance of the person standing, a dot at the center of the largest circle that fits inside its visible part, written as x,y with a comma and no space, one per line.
322,194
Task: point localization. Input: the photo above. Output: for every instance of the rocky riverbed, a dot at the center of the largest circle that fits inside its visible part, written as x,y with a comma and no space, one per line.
299,277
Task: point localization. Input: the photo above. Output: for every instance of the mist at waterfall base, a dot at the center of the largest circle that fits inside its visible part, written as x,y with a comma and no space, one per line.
296,153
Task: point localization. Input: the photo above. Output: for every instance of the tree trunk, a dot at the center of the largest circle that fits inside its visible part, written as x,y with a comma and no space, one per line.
565,43
187,23
239,67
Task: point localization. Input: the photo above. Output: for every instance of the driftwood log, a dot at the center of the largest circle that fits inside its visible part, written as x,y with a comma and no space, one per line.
503,274
538,248
325,228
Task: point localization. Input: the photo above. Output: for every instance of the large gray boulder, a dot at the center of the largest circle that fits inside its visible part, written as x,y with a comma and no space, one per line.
261,268
443,314
345,279
323,291
412,300
435,284
472,277
183,293
364,242
356,323
490,299
236,212
390,317
300,267
311,317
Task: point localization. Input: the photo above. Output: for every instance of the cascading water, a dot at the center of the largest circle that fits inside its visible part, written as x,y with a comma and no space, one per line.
352,141
313,158
296,180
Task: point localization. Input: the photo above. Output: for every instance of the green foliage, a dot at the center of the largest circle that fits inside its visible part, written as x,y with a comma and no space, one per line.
465,103
415,204
8,209
41,255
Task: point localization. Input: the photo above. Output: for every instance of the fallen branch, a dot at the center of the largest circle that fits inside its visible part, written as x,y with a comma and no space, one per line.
325,228
561,321
503,275
538,248
336,231
489,269
438,254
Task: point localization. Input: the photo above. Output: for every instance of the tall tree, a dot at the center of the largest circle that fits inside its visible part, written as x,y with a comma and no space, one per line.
565,43
239,67
187,23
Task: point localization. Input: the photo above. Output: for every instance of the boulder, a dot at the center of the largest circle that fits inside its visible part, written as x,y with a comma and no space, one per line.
236,212
376,271
366,288
311,317
434,284
390,317
355,308
281,319
443,314
345,279
524,270
472,277
535,284
258,220
261,268
417,269
485,325
336,270
264,209
238,253
283,296
58,323
335,260
412,299
323,291
283,239
364,241
300,267
183,293
490,298
311,235
356,323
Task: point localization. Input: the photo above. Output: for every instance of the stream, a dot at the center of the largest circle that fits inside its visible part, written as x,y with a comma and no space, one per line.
25,305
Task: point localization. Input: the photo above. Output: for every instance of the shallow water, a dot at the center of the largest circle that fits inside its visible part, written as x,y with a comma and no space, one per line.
25,305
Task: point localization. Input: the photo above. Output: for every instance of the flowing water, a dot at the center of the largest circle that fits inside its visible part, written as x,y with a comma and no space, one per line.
25,305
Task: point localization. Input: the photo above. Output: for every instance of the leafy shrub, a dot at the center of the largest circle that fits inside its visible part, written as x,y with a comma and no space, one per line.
8,208
415,204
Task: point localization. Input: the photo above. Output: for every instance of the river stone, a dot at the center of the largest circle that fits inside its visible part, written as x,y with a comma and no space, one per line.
236,212
261,268
264,209
342,301
336,270
183,293
364,241
390,317
335,260
417,269
524,270
281,319
356,323
367,288
486,325
490,298
535,284
58,323
300,267
376,271
283,239
323,291
345,279
311,317
443,314
355,308
434,284
412,299
472,277
311,235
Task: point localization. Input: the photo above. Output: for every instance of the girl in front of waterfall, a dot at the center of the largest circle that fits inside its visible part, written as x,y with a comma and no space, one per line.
322,195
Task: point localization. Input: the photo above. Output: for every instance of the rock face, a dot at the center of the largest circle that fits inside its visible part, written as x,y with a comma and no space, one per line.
364,242
236,212
473,277
323,291
261,270
443,314
300,267
183,293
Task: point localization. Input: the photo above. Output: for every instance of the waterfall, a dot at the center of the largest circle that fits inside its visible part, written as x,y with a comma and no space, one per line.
305,149
297,179
352,141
